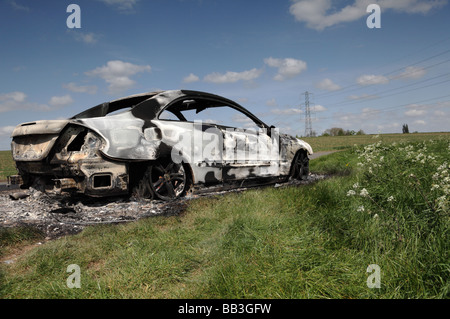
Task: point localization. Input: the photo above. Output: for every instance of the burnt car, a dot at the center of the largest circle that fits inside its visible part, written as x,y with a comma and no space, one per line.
156,145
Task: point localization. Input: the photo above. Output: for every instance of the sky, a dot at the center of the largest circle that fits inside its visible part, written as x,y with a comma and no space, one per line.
262,54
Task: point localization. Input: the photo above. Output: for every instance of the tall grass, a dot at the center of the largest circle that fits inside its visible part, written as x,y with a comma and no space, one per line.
313,241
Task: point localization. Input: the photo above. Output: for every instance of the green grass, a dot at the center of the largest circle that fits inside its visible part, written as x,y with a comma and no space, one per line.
7,166
328,143
313,241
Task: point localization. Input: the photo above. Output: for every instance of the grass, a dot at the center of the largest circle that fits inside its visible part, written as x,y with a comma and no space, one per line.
7,166
314,241
328,143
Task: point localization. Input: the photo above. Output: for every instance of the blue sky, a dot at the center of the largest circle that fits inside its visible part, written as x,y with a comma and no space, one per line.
262,54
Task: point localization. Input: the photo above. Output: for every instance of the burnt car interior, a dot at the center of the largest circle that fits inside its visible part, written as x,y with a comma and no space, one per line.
219,113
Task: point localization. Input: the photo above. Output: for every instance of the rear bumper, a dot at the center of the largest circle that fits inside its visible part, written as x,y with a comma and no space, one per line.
94,177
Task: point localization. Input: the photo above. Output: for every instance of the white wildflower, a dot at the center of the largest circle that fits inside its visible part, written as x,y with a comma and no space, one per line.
355,186
351,192
375,216
364,192
390,198
360,209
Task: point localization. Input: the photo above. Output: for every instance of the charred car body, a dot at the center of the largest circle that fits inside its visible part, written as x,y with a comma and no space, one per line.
155,145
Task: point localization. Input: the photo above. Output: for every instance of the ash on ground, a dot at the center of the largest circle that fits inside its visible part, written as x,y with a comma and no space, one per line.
63,214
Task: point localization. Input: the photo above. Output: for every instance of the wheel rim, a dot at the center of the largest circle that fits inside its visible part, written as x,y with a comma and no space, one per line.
168,181
301,168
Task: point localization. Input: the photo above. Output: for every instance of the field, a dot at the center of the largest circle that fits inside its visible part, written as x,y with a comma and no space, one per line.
327,143
7,166
386,205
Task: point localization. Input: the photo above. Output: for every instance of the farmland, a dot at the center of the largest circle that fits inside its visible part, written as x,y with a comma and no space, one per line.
386,204
327,143
7,166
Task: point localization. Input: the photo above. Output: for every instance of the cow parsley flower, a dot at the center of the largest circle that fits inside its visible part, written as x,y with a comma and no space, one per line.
364,192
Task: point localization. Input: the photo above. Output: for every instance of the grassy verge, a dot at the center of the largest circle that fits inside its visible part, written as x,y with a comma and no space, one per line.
315,241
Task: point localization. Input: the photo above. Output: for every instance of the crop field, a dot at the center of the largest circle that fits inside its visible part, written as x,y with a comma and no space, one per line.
386,205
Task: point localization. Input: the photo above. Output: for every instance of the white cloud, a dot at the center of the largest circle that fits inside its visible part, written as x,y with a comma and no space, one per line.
191,78
117,74
415,112
318,108
238,118
287,68
60,101
439,113
19,7
5,131
232,77
73,87
356,119
419,122
372,79
88,38
16,101
122,5
320,14
271,102
327,85
291,111
13,96
411,73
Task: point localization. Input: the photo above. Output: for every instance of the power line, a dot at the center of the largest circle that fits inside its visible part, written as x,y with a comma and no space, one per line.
392,107
375,97
358,86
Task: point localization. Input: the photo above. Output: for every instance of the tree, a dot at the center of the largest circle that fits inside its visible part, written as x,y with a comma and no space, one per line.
405,129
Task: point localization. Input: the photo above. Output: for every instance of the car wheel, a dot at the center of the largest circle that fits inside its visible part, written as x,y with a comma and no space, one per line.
142,188
300,166
168,180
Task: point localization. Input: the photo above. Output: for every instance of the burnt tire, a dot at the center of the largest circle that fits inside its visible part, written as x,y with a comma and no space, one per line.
169,180
300,166
164,180
142,188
